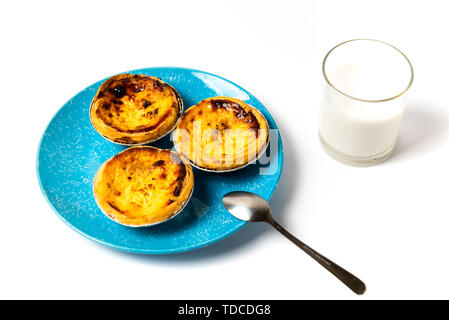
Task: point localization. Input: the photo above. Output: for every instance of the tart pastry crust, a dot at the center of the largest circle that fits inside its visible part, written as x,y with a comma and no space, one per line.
221,134
135,109
143,186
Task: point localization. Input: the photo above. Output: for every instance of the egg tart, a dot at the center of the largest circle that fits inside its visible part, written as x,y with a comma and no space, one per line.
135,109
221,134
143,186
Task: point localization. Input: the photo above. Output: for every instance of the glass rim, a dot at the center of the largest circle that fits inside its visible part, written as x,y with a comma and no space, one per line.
412,74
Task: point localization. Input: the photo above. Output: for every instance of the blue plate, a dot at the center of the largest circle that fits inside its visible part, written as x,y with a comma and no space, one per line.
71,151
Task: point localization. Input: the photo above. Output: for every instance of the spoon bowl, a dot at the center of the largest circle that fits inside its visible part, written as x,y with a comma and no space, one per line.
247,206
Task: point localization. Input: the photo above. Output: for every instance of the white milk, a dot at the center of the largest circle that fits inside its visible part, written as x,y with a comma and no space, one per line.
356,131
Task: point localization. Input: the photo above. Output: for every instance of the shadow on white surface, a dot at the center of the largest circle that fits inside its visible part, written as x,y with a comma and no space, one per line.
422,124
243,238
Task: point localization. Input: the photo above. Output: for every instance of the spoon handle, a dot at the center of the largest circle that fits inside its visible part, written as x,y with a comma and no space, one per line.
346,277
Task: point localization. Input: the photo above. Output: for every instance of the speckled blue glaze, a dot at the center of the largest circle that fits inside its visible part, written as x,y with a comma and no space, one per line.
71,151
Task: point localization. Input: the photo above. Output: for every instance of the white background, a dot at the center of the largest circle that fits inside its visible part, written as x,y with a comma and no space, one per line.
388,224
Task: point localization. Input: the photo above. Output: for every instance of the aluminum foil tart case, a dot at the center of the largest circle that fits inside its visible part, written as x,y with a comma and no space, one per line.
225,119
135,109
143,186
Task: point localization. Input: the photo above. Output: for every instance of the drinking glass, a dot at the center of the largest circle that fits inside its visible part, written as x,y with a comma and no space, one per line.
363,100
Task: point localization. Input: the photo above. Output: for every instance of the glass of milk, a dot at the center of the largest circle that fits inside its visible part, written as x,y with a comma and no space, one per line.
365,92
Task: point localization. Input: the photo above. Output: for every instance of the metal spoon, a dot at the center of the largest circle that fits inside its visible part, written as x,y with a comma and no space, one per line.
250,207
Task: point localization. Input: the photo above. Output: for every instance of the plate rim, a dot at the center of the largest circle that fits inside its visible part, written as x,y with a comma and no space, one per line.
183,249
